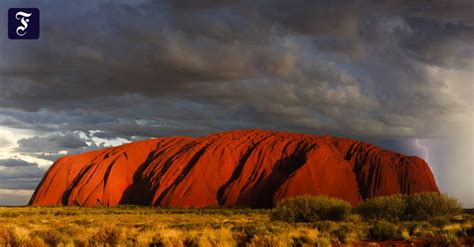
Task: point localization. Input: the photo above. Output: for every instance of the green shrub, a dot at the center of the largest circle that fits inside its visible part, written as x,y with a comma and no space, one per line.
389,208
311,208
421,206
425,206
383,230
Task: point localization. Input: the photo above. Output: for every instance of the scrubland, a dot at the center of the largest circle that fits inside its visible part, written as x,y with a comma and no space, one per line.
304,221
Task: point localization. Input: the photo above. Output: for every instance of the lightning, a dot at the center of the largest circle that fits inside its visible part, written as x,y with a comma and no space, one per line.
424,148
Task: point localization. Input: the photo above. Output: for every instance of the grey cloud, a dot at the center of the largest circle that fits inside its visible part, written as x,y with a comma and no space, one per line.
50,156
10,197
15,163
52,147
438,43
51,143
20,183
19,174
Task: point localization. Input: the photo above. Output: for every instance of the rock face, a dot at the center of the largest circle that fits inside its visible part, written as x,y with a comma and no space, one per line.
253,168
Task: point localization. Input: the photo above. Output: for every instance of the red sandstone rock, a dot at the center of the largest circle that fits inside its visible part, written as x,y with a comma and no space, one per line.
253,168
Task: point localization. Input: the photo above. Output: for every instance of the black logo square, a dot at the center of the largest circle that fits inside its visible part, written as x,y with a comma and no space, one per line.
23,23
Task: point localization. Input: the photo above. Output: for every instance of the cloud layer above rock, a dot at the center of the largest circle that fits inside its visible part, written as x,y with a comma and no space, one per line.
146,68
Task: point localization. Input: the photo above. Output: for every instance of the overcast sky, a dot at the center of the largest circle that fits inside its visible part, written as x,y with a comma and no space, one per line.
109,72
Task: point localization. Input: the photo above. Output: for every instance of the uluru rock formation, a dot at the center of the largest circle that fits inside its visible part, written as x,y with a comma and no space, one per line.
252,168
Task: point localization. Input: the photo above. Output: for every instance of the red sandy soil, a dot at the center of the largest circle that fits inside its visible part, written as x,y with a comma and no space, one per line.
252,168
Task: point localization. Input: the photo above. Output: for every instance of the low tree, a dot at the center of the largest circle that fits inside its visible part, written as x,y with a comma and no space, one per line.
390,208
425,206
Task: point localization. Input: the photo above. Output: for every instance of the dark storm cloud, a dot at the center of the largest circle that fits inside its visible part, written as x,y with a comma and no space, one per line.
443,44
153,68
